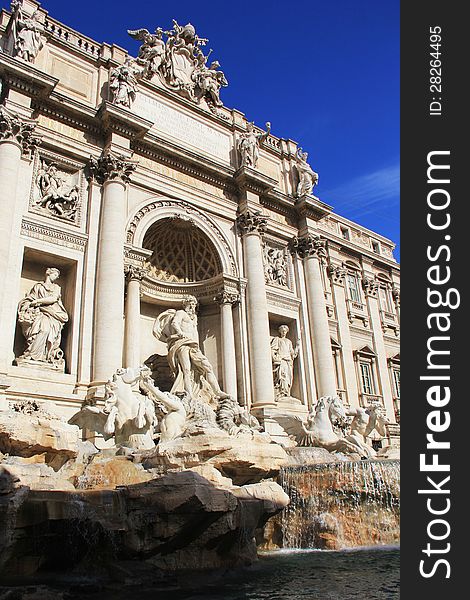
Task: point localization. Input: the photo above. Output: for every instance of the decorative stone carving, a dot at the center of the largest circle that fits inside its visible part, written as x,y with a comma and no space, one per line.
227,297
56,193
337,274
248,144
18,129
123,83
132,272
308,179
310,245
320,429
396,295
42,316
127,415
368,422
283,355
370,286
275,266
110,166
27,32
193,372
180,63
235,419
252,221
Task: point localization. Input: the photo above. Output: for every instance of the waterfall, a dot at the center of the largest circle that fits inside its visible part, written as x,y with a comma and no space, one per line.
341,505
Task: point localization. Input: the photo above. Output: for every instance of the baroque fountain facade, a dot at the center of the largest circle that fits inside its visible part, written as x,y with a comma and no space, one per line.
183,321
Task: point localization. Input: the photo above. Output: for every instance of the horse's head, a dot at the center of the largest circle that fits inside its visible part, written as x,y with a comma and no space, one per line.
336,409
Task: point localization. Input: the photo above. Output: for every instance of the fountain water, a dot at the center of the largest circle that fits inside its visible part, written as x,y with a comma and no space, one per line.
338,505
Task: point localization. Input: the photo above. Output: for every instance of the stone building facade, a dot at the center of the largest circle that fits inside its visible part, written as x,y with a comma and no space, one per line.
136,185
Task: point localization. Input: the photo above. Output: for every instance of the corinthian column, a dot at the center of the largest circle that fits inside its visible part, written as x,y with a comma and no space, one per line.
134,276
312,249
229,363
16,134
113,172
251,224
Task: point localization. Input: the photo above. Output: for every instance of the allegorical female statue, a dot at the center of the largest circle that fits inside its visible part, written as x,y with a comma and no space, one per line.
42,316
28,38
283,356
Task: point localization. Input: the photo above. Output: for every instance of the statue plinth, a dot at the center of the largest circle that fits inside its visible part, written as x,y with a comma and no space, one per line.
28,363
247,177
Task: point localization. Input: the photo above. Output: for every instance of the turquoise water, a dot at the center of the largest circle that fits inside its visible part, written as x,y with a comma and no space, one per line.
363,574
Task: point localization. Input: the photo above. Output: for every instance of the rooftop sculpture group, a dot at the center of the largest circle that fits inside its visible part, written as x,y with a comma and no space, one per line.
179,63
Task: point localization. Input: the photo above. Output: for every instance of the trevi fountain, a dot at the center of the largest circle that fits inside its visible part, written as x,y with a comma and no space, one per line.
244,411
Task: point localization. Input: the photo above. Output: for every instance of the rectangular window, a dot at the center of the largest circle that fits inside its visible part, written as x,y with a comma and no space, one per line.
353,288
396,382
375,247
366,378
345,233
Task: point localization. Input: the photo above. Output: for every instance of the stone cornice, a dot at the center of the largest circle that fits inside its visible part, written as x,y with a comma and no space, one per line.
250,221
23,76
123,121
310,207
111,167
251,179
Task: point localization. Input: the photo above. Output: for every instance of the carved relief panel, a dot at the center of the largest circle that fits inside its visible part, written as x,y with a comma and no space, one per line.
277,266
57,188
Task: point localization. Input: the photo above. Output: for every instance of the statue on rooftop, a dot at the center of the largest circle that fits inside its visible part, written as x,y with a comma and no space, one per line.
308,179
123,83
27,33
248,144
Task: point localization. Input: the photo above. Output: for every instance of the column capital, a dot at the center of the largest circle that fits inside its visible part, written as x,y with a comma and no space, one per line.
337,274
369,286
227,297
134,273
19,130
309,245
250,221
111,167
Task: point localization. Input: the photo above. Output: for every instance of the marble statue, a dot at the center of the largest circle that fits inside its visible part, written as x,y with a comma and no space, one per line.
42,316
308,179
367,420
127,415
191,369
283,355
27,33
248,144
235,419
318,429
123,83
56,196
180,63
173,420
152,52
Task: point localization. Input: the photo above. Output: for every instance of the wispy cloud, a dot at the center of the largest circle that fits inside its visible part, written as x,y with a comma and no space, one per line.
373,193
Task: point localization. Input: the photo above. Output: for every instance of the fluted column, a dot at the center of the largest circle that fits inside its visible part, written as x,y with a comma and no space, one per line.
16,133
370,290
312,249
134,276
113,172
229,362
251,224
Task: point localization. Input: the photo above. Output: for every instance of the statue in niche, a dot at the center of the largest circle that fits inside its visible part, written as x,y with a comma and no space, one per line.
193,372
283,355
248,144
123,83
127,415
275,268
308,179
27,33
56,196
42,316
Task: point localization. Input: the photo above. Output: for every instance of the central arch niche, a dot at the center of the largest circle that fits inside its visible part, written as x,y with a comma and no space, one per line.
181,252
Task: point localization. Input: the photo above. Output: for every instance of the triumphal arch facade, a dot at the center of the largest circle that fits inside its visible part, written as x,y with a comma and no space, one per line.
127,187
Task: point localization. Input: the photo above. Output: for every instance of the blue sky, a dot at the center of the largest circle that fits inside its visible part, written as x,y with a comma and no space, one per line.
326,74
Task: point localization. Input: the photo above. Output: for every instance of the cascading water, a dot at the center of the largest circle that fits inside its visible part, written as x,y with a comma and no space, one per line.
340,505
